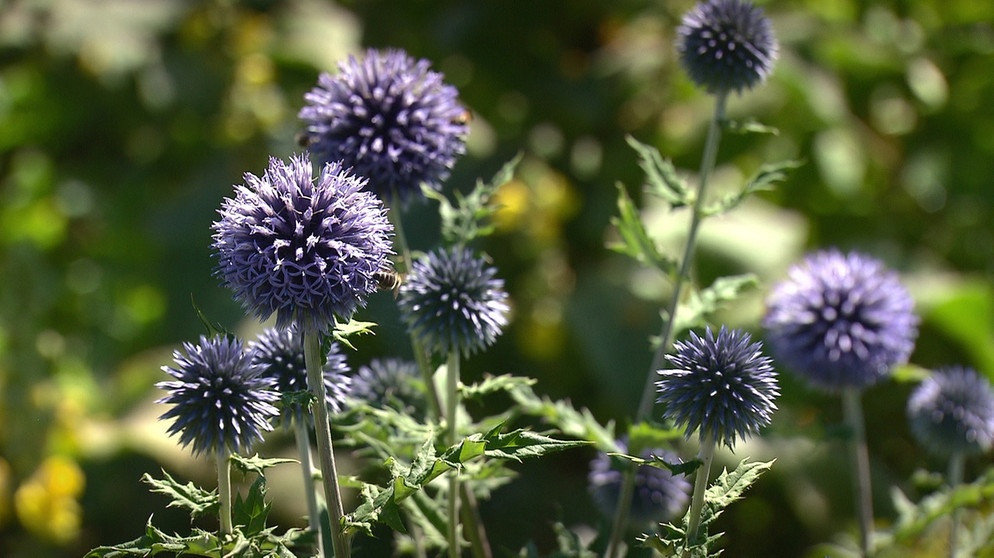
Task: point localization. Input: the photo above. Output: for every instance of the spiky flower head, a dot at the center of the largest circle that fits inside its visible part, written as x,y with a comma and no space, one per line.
840,320
952,411
391,118
659,495
390,382
720,386
304,248
726,45
452,301
219,397
280,354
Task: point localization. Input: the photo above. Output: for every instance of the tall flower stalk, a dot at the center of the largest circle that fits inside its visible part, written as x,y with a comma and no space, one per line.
451,417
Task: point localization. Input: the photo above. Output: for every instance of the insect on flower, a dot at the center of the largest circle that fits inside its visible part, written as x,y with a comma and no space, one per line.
388,280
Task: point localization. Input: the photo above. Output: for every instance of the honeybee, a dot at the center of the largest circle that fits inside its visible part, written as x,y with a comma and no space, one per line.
303,139
388,280
464,118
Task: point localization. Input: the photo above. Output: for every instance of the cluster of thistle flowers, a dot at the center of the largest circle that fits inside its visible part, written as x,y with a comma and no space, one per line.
311,249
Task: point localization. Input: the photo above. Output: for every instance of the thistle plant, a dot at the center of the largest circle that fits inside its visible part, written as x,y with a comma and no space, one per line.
308,250
221,403
660,495
842,322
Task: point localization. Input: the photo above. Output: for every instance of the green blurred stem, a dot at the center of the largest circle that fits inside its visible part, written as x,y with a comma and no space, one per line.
852,410
224,488
326,452
301,433
706,456
665,336
452,406
955,479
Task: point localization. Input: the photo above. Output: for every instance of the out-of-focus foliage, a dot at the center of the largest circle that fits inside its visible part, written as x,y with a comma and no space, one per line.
123,124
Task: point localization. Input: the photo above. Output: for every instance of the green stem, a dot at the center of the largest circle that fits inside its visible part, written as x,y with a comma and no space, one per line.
300,430
224,488
955,479
708,159
452,406
852,411
706,456
326,452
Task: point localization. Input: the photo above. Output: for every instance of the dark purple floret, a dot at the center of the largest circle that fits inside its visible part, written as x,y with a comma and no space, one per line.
219,397
389,117
307,249
390,382
952,411
840,321
659,496
280,353
720,386
452,302
726,45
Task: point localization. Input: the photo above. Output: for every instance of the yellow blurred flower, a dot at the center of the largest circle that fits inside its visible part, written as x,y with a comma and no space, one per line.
46,503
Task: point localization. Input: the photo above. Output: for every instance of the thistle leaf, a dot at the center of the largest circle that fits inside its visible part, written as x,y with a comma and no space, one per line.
767,176
568,420
635,241
748,126
692,312
200,502
470,216
256,464
494,384
342,332
661,177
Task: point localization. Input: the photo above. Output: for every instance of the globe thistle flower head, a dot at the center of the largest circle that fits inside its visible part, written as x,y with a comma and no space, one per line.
721,386
280,355
390,382
219,397
452,301
306,249
726,45
952,411
659,495
391,118
840,321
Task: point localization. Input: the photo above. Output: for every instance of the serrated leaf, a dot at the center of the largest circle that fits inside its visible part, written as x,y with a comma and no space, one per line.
213,328
661,177
635,240
189,496
693,311
768,175
342,332
252,511
469,217
525,444
155,541
493,384
681,468
568,420
648,435
256,464
748,126
729,487
914,519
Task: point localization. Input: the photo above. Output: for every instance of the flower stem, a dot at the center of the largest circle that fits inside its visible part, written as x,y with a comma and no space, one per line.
326,452
300,430
852,411
706,456
708,159
452,406
224,488
955,479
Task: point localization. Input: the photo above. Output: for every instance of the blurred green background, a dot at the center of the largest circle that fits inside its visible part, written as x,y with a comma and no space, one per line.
123,124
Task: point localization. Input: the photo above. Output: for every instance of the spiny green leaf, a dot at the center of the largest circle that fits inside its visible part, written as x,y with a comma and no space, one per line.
561,414
256,464
729,487
252,511
661,177
470,216
343,331
213,328
748,126
693,311
190,496
493,384
914,519
525,444
635,241
648,435
682,468
155,541
768,175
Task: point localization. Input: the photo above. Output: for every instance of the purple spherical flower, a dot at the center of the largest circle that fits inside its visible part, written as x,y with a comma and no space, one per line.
390,118
219,397
280,354
840,320
452,302
390,382
952,411
659,495
726,45
721,386
304,248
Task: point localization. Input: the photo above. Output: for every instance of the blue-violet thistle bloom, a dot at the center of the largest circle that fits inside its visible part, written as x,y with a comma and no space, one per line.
389,117
390,382
726,45
720,386
307,249
280,353
840,320
452,302
219,397
659,495
952,411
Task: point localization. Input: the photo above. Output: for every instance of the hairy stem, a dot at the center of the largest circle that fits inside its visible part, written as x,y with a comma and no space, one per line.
665,336
452,406
300,431
706,456
852,410
224,488
326,452
955,479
